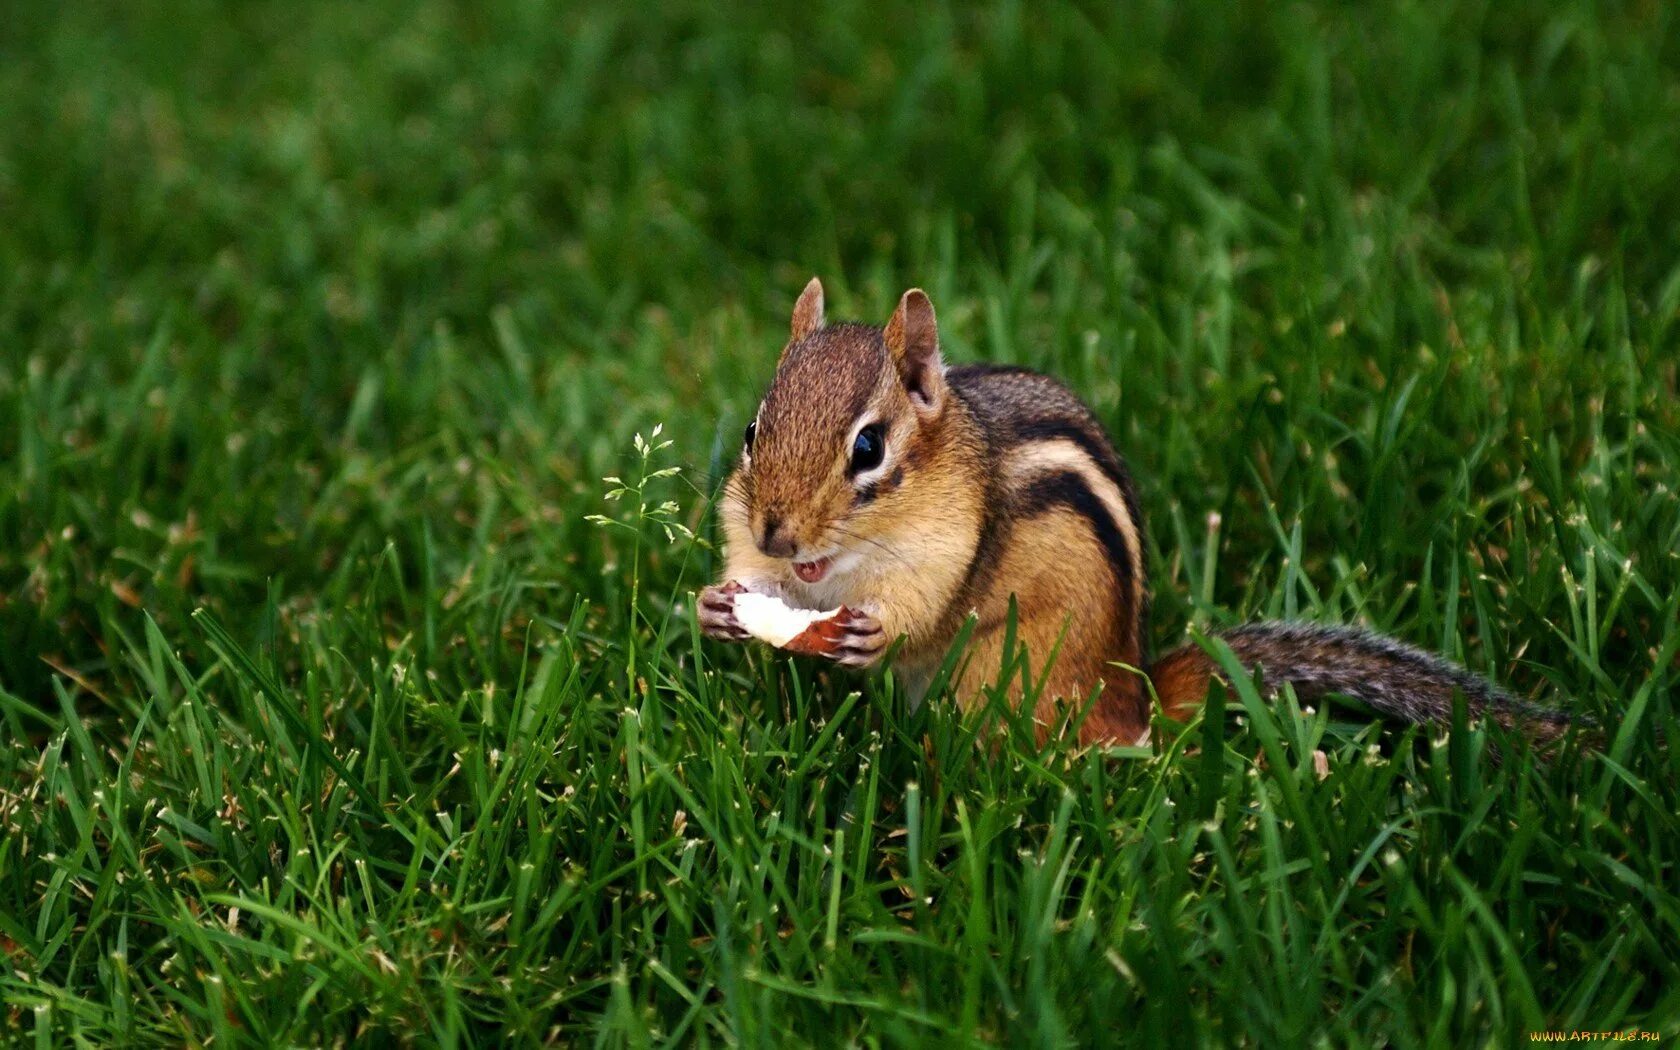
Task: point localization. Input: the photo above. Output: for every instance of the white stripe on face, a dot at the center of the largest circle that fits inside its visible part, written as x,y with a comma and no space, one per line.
888,455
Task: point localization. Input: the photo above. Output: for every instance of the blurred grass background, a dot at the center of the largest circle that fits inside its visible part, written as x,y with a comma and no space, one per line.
327,320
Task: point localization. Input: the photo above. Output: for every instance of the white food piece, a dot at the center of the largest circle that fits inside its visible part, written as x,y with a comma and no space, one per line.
768,618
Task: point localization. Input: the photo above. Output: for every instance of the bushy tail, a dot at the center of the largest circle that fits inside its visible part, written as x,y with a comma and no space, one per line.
1395,679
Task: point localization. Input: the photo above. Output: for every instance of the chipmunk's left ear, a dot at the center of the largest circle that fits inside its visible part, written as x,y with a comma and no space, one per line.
912,339
808,311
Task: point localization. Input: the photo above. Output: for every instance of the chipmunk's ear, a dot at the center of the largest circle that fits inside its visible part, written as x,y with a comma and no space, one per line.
912,339
808,311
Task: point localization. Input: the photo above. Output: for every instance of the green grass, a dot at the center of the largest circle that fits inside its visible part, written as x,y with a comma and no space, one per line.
326,714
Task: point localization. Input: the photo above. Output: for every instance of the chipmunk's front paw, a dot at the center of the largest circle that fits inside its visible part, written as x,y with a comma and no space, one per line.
849,638
717,613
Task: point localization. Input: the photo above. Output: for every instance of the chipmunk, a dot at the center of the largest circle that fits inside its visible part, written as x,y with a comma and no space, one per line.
912,494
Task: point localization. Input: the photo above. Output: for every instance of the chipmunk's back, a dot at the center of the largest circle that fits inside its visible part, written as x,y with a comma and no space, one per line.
1052,451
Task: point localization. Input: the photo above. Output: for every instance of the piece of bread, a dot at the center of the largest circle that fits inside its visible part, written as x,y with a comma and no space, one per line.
768,618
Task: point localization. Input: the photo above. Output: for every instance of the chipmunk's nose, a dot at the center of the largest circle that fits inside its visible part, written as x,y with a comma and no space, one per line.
775,539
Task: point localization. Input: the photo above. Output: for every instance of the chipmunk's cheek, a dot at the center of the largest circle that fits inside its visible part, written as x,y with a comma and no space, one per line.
843,564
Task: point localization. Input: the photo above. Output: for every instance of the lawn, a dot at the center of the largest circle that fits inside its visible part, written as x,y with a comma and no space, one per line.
329,712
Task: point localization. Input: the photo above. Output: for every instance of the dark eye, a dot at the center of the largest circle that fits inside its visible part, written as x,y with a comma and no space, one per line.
752,432
868,448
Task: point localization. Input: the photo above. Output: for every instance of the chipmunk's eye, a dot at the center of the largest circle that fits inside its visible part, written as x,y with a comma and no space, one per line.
752,432
868,448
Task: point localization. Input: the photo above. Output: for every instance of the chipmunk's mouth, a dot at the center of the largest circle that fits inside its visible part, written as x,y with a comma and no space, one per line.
812,571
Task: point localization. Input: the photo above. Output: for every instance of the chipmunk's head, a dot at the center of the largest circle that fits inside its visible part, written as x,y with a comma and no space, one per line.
832,457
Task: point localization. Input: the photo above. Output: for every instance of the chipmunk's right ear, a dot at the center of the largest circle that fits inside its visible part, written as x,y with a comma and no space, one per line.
912,338
808,311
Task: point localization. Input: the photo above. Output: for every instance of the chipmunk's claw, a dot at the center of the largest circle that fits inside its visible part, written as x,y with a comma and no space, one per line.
849,638
716,612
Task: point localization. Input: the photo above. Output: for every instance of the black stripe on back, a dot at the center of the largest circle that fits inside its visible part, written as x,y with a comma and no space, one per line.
1067,489
1100,454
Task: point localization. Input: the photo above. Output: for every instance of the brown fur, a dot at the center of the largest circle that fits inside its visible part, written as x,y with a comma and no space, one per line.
998,485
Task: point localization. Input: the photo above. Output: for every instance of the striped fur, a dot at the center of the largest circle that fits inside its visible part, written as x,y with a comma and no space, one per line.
1001,496
1035,426
1053,454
